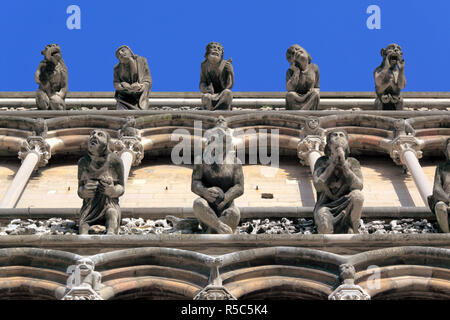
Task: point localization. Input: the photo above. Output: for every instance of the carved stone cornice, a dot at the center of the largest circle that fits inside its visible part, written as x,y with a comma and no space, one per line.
405,143
37,145
307,145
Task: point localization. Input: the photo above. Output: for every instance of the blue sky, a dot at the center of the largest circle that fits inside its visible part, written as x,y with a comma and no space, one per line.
172,35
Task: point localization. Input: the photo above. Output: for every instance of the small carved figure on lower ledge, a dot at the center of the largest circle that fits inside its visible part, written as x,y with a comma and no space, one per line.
100,184
439,201
338,181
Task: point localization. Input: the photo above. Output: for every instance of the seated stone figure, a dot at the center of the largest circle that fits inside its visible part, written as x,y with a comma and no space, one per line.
132,80
218,180
100,184
439,201
338,181
52,77
216,79
390,79
302,80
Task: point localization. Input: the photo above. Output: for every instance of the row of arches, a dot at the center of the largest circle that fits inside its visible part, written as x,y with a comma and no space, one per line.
263,273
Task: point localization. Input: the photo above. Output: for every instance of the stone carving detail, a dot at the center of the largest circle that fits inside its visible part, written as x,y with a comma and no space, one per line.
338,181
218,179
402,127
37,145
401,144
100,184
312,138
52,77
214,290
132,80
348,290
302,80
83,282
390,79
130,139
216,79
439,201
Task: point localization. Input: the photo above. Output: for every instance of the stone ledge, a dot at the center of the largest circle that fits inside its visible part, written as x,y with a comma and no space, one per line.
221,244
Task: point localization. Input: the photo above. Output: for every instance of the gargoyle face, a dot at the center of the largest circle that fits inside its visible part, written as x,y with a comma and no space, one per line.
98,142
124,54
347,271
85,266
52,52
214,52
338,139
393,52
299,55
313,123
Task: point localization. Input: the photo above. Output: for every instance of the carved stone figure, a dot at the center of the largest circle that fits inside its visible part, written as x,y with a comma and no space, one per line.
52,77
216,79
100,184
338,181
439,201
83,282
402,127
132,80
302,80
390,79
218,180
348,290
312,128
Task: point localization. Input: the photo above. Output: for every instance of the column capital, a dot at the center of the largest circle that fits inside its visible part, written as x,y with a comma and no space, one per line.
130,140
132,145
310,144
38,145
404,143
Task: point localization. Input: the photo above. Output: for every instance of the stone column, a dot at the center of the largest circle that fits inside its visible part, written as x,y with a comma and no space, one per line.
309,149
406,151
34,152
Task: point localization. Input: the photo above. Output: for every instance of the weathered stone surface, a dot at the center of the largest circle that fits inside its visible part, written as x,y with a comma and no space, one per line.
390,79
140,226
216,79
439,201
302,80
132,80
52,77
100,184
338,181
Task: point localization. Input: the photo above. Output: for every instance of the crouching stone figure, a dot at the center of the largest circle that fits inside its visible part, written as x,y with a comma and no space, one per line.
218,180
100,184
439,201
338,181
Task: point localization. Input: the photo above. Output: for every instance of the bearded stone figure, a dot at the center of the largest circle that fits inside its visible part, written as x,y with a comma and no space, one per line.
338,181
216,79
218,180
132,80
100,184
52,77
302,80
390,79
439,201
